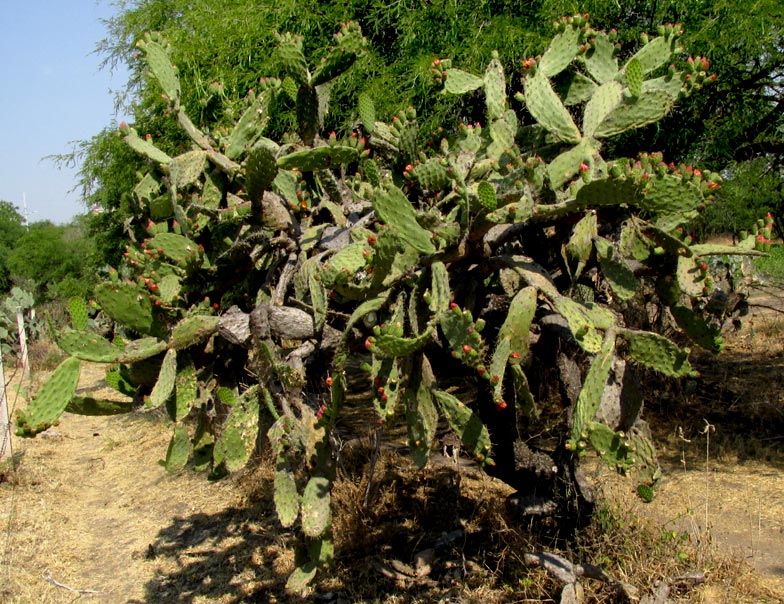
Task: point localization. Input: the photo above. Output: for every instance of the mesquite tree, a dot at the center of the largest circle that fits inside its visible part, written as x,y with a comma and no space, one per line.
511,250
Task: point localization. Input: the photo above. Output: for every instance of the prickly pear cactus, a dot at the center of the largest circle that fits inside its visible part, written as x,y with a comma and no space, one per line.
418,257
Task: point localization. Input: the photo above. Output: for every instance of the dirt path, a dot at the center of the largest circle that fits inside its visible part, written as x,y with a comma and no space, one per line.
87,504
90,508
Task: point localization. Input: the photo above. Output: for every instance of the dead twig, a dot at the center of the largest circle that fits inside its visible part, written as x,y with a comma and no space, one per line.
49,579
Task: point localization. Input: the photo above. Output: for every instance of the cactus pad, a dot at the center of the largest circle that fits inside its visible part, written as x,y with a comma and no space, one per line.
238,435
193,330
659,353
179,450
51,400
87,346
548,110
164,387
285,497
394,208
465,423
316,511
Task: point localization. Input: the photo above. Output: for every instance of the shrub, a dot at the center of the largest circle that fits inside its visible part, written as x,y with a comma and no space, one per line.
510,255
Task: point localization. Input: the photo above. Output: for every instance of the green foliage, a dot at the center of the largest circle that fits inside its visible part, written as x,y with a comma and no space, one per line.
417,252
54,260
11,230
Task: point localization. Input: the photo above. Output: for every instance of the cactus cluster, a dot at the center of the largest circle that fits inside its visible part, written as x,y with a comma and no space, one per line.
410,251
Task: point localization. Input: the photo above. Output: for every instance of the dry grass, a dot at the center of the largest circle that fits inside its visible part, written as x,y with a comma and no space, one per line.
90,508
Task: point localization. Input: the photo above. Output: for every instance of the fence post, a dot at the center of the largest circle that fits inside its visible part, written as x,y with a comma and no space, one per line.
23,344
6,452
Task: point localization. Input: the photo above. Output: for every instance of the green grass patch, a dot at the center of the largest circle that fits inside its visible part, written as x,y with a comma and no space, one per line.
774,263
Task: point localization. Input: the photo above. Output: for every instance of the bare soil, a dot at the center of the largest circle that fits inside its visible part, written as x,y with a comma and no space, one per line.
90,515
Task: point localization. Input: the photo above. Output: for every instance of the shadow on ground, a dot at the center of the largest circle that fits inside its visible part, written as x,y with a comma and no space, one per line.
227,557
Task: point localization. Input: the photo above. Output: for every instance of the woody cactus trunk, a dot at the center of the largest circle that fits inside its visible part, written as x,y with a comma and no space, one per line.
511,253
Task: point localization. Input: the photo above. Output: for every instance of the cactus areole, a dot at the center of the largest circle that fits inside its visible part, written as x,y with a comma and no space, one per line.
519,270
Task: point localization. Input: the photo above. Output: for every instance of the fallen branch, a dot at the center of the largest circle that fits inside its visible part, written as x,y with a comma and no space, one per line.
48,577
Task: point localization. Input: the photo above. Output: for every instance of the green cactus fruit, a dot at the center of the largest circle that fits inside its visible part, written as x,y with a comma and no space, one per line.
77,309
179,450
237,439
562,50
635,113
634,77
699,331
590,396
249,128
465,423
367,113
158,59
164,387
659,353
548,110
193,330
394,208
50,401
319,158
316,511
487,198
623,283
145,147
460,82
260,171
186,169
495,88
601,104
577,251
285,495
129,305
87,346
645,492
600,60
86,405
580,322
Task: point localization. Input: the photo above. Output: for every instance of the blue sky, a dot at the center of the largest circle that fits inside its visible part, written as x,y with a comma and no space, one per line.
52,93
